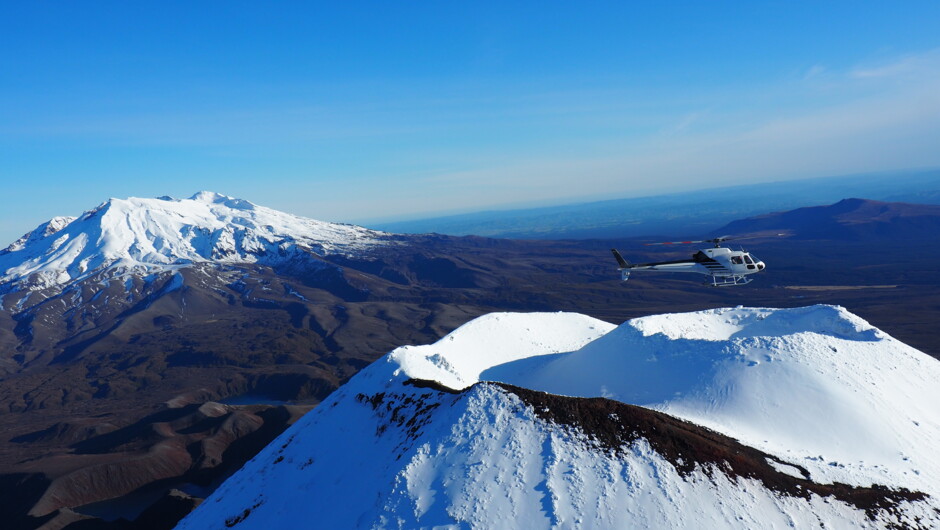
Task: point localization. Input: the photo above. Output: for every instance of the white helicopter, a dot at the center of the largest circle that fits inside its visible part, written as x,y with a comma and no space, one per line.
725,266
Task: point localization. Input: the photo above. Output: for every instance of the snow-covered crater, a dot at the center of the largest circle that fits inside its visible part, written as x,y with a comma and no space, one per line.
817,385
160,234
824,396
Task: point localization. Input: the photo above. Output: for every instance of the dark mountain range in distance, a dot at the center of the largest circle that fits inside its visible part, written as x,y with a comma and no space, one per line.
679,215
849,220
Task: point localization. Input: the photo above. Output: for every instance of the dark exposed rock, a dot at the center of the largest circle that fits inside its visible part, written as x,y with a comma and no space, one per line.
613,427
689,447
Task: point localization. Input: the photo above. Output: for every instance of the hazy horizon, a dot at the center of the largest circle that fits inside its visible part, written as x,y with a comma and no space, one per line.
904,182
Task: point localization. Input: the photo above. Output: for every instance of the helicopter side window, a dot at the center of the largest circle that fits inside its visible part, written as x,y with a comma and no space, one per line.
748,260
736,260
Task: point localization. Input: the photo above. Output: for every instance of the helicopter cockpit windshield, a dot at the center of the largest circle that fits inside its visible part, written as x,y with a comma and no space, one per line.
753,262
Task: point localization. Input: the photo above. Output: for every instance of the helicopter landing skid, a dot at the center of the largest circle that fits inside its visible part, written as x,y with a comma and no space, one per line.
727,281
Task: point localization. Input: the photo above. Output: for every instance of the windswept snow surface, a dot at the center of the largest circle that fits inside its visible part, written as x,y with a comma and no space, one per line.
160,234
457,360
816,386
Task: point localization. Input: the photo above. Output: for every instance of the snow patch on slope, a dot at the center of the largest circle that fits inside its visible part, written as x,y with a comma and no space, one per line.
44,230
161,234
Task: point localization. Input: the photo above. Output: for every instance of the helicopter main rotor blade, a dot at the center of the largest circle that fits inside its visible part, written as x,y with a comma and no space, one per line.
716,241
678,242
737,238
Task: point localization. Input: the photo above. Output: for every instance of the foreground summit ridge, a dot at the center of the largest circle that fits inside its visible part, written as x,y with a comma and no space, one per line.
155,235
815,416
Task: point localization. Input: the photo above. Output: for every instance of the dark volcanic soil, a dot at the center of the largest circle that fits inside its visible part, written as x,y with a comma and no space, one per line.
688,446
105,389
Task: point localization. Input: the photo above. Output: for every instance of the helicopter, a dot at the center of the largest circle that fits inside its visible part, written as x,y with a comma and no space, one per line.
726,267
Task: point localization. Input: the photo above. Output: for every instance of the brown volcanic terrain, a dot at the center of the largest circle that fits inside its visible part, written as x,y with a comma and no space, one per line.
112,391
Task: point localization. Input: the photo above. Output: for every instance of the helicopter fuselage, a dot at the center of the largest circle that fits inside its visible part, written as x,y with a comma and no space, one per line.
724,265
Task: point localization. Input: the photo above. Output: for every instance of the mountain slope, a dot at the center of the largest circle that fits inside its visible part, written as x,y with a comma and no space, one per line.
118,348
847,220
396,449
146,306
163,234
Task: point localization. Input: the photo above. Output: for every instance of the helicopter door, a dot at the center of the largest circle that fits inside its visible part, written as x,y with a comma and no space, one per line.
749,261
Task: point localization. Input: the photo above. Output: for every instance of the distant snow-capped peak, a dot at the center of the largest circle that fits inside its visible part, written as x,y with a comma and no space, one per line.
163,233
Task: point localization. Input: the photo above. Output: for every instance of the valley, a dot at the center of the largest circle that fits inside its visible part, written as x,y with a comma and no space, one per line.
116,375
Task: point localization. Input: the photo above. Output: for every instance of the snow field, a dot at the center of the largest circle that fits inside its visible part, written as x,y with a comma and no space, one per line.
810,381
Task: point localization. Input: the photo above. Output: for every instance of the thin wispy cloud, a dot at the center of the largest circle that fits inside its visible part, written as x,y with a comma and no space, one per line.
912,65
814,71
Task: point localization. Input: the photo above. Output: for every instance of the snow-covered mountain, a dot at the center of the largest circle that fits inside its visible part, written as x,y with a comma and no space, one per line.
156,235
821,420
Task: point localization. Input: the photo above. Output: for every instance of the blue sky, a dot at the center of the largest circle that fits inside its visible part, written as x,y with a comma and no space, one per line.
378,110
